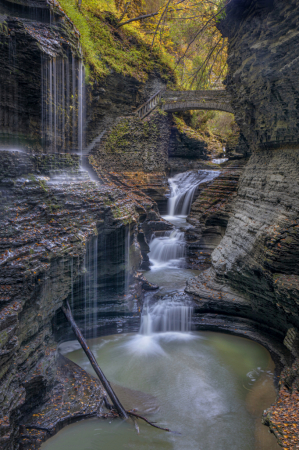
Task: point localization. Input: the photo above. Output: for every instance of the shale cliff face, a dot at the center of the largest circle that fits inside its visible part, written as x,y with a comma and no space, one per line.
55,235
255,267
38,43
62,235
263,67
210,213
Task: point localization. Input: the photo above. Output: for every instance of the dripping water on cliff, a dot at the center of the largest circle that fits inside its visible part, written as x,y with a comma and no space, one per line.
63,105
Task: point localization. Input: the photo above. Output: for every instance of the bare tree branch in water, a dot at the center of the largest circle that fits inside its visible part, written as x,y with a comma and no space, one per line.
113,397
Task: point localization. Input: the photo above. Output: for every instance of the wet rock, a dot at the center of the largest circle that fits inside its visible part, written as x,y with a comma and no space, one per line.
263,65
30,36
48,231
210,213
146,285
255,266
75,395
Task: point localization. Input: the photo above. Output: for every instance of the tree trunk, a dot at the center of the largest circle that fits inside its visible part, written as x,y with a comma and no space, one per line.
116,403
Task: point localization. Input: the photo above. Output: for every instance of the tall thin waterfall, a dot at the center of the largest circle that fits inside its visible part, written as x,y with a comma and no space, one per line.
166,315
90,285
63,97
81,103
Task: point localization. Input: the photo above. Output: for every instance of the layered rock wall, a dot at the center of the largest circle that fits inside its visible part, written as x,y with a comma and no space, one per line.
33,34
254,272
210,213
48,227
263,65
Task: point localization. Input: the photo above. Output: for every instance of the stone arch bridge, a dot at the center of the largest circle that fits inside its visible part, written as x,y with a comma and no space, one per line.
174,101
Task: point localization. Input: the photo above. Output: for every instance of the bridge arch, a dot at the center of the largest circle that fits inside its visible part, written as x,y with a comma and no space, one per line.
175,101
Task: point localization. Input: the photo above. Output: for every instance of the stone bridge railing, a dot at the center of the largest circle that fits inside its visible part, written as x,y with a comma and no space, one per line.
218,100
151,104
172,101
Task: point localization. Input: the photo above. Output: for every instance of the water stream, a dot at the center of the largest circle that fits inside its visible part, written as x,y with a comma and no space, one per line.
63,100
167,249
209,388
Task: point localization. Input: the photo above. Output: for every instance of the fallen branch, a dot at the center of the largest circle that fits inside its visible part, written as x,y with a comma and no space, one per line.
131,413
116,403
202,29
158,24
147,421
125,11
145,16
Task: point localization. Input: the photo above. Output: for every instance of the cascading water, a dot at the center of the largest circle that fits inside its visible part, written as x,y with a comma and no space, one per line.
182,189
166,315
168,250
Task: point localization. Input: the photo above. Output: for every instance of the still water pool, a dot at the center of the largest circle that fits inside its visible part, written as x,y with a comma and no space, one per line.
209,387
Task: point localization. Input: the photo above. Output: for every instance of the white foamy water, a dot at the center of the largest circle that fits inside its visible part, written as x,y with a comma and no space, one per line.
183,187
164,316
169,250
219,160
196,384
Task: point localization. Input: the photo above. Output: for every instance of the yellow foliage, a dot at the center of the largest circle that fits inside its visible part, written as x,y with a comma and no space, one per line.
181,40
126,50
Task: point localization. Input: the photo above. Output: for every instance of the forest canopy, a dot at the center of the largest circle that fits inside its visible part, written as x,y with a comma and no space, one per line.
178,37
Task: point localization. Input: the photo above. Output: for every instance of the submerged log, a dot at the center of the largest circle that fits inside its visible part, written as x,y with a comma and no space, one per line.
113,397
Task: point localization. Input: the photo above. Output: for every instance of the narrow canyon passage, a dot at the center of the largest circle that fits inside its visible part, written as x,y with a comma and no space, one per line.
149,162
209,388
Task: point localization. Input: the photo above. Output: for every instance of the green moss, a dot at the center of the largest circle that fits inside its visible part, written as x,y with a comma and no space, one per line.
126,50
4,28
43,185
117,137
120,213
127,135
185,129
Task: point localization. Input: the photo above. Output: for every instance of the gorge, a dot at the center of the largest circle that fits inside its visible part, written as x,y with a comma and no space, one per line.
175,267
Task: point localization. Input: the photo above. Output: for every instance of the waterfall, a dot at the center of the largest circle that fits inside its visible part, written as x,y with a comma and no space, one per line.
90,285
127,259
167,315
81,103
169,250
182,189
63,97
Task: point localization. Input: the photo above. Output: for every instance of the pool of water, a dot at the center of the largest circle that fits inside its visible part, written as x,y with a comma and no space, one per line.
209,388
170,279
